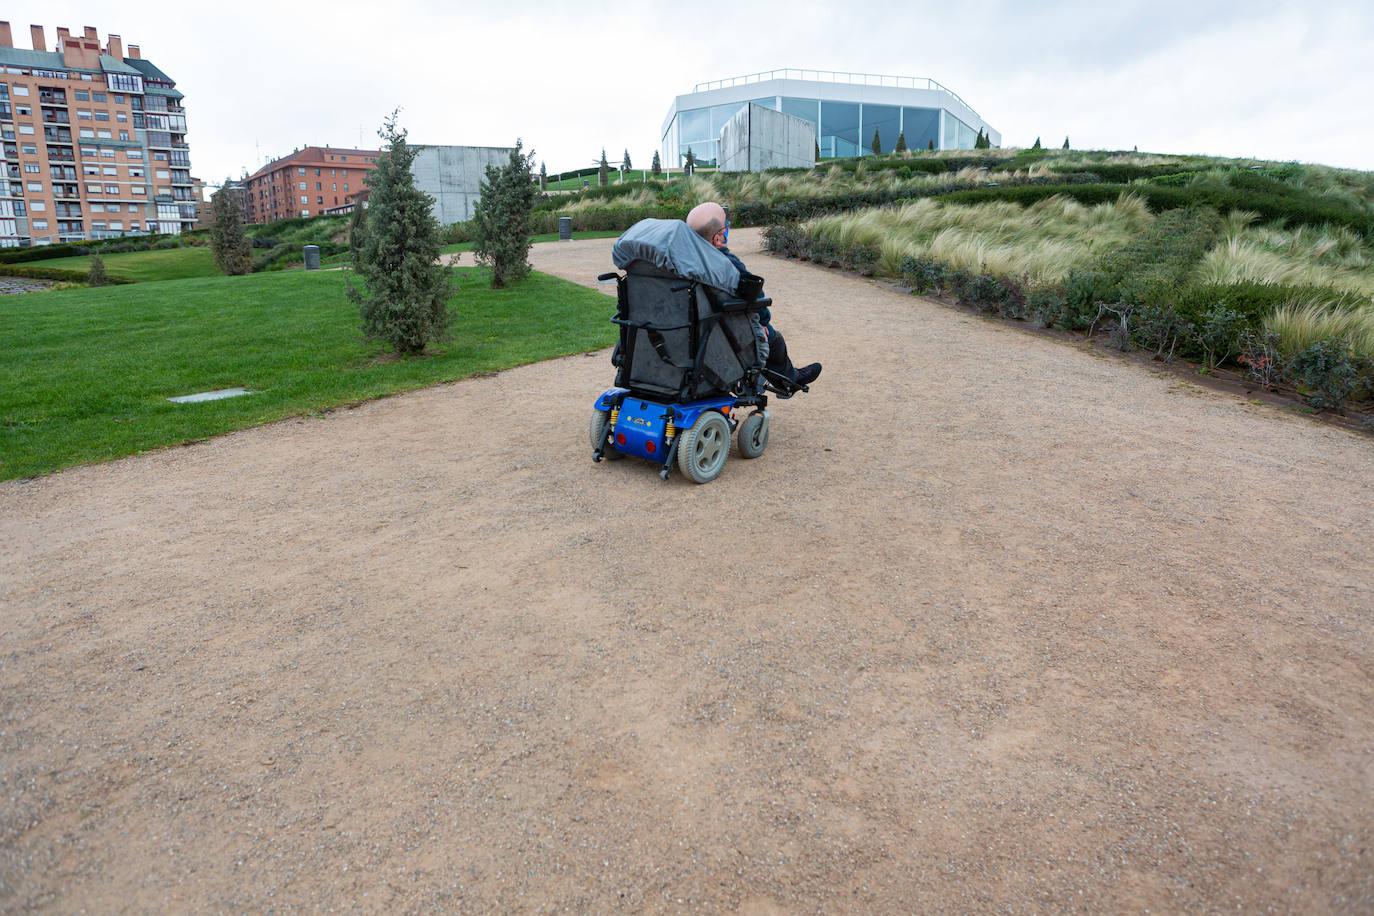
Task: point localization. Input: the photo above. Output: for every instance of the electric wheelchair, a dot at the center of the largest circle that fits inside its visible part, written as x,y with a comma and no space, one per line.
690,358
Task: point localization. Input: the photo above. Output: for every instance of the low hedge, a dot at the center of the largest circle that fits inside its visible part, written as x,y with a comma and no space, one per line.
53,273
1290,209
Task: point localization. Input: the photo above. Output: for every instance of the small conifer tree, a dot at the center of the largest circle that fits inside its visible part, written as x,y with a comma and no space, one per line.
690,165
96,276
357,228
901,142
625,165
877,145
602,175
657,167
404,299
1037,145
543,177
501,220
227,240
930,144
1066,143
818,151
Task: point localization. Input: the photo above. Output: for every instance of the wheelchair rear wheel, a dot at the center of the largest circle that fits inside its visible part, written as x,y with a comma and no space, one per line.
702,452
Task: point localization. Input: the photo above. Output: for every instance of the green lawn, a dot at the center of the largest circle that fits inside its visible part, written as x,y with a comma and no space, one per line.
85,373
169,264
544,237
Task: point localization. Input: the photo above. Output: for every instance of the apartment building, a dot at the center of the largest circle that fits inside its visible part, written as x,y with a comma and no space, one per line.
94,142
309,182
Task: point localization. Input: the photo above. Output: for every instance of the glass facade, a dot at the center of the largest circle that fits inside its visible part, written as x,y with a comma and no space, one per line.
843,129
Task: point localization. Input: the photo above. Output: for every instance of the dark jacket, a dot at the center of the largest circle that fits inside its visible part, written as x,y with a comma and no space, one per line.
765,315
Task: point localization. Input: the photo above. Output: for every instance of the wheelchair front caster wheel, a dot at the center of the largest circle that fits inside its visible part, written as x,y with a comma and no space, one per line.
753,435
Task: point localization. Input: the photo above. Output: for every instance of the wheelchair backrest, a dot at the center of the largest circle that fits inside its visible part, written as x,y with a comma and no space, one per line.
682,340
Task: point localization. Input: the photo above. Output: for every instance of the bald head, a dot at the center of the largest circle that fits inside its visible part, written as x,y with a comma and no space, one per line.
708,221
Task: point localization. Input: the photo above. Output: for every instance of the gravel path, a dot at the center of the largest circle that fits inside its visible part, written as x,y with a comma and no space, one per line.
996,624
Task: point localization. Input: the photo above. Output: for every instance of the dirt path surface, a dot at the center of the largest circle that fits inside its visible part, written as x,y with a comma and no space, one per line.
995,624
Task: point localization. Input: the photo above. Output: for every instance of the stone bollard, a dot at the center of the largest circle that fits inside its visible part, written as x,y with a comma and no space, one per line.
312,257
565,228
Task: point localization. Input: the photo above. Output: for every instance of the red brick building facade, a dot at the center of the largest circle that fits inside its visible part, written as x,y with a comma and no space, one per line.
306,183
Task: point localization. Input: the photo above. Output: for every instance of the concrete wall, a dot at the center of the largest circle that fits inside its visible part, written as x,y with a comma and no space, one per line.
453,175
759,138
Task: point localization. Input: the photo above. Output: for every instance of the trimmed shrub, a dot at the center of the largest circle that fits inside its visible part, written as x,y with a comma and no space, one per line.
1326,373
55,273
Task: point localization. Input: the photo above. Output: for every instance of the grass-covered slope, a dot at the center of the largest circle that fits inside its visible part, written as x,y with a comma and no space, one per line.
85,374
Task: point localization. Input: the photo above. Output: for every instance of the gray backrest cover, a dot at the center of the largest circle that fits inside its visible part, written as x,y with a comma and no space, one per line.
669,245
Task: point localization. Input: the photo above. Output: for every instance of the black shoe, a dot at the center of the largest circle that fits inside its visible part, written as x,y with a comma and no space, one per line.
808,374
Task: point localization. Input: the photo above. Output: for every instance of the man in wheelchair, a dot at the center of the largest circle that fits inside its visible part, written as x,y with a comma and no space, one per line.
694,362
709,221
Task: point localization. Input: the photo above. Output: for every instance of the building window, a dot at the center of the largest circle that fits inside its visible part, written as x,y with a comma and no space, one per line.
20,90
40,224
83,115
124,135
121,116
87,134
31,167
345,186
317,173
302,185
35,186
82,95
304,199
319,200
30,149
133,153
110,170
38,206
97,97
300,171
26,129
319,186
102,116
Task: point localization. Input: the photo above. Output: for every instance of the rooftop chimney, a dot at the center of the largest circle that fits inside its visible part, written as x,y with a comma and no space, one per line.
62,36
6,37
133,52
116,49
39,42
91,33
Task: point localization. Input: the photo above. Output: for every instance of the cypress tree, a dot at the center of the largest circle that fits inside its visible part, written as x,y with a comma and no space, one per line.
625,165
227,240
901,142
1066,143
1037,144
501,220
690,165
605,170
930,144
543,177
404,299
96,276
877,143
357,228
657,167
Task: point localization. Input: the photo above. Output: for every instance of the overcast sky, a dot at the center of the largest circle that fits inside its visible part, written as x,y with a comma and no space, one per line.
1264,79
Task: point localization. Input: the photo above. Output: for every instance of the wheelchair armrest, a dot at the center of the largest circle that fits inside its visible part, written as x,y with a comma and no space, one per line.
745,305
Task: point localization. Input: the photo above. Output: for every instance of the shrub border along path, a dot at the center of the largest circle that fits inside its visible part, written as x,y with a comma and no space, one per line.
993,625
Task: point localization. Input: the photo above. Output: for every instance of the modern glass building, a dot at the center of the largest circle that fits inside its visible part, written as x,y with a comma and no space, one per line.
846,109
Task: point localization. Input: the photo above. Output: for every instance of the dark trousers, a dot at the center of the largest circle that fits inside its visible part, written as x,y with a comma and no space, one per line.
778,360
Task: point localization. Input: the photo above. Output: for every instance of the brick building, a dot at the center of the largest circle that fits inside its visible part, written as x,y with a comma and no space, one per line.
94,142
309,182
